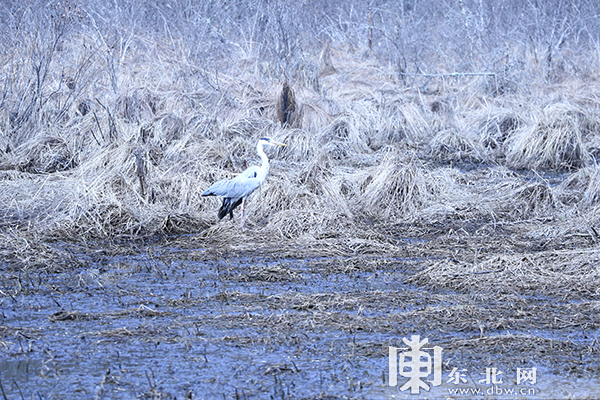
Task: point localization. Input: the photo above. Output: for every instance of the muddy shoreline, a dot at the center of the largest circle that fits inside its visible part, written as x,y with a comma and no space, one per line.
163,320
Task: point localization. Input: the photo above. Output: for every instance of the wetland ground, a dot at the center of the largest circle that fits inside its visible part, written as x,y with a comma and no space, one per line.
171,320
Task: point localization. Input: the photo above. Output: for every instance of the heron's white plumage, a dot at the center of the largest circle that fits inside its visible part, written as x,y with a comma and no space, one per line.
235,191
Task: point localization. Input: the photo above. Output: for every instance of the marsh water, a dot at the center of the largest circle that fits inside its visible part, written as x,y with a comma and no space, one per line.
167,322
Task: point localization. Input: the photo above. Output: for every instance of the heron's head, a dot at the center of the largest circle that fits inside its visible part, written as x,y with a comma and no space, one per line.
267,140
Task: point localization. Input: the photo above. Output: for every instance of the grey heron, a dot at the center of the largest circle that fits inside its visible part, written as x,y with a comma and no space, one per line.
236,191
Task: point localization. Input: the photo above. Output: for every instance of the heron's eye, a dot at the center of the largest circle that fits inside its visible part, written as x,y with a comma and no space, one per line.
254,174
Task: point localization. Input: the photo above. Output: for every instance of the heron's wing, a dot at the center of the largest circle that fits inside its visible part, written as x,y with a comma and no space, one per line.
240,186
249,173
243,185
217,188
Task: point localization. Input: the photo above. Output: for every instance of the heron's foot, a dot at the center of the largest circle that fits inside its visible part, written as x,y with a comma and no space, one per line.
245,227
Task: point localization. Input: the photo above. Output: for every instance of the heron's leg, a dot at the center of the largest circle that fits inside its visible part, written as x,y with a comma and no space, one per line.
243,214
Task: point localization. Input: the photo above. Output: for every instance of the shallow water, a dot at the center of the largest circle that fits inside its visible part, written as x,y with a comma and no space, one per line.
164,323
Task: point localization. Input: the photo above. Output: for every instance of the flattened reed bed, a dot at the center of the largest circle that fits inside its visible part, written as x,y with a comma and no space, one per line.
570,353
374,312
138,312
566,274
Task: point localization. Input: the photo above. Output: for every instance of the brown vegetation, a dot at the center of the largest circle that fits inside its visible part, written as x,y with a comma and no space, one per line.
124,143
286,106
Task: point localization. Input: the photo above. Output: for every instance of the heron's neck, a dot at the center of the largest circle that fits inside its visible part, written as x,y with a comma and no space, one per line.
264,168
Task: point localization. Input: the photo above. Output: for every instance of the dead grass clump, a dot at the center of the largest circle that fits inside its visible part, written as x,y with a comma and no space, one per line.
312,117
553,140
312,223
493,126
229,157
176,191
591,195
450,145
286,106
402,121
326,61
536,198
307,72
341,129
339,190
45,154
343,138
279,194
84,107
415,126
330,106
232,127
525,199
500,86
311,114
314,172
106,219
302,145
163,130
580,188
30,251
203,125
398,186
138,106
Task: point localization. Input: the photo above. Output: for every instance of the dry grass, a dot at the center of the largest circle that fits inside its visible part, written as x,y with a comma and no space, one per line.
398,185
367,147
553,140
372,160
570,273
492,126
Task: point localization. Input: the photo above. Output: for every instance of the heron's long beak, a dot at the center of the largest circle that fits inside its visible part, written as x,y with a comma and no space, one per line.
279,144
